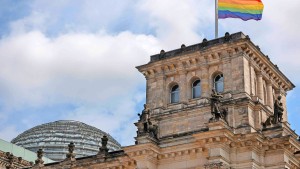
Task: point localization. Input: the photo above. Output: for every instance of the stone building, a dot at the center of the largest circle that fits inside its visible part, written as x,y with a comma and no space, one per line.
217,104
14,156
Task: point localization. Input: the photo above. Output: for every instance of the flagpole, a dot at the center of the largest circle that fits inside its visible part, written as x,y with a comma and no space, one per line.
216,18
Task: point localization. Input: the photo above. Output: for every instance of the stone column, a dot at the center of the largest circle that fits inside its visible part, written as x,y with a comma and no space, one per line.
269,95
260,88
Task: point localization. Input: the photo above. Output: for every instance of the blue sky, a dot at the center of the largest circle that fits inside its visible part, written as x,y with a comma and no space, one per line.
75,59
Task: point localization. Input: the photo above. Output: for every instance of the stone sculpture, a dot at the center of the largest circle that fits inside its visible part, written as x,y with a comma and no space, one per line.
103,148
71,154
11,160
39,161
144,118
215,104
278,110
144,124
277,116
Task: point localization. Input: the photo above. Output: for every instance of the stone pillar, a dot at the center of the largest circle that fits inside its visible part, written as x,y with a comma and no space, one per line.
269,95
160,82
260,88
283,99
251,79
160,91
150,89
183,87
182,82
205,82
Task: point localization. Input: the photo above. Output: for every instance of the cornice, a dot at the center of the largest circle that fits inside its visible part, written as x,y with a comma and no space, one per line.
215,52
263,64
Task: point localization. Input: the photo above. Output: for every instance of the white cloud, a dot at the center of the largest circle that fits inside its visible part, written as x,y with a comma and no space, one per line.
72,67
57,17
176,21
95,72
283,36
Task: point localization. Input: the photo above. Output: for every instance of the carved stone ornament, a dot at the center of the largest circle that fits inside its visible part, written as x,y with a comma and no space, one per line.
216,110
11,160
227,37
144,125
103,148
278,110
39,160
216,165
204,42
162,54
71,148
277,116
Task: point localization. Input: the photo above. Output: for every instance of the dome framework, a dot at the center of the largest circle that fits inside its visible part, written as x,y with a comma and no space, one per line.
54,138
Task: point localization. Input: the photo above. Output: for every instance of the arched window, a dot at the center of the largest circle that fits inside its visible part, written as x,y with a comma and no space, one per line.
175,94
196,89
219,83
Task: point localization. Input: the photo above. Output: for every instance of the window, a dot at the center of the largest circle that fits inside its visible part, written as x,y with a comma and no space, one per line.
196,89
175,94
219,83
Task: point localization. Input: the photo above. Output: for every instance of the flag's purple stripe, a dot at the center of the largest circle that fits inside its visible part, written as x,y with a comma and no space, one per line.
243,16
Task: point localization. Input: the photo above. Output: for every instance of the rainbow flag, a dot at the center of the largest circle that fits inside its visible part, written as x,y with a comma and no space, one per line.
243,9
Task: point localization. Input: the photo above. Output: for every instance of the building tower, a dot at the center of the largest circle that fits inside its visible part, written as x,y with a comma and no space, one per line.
217,104
220,104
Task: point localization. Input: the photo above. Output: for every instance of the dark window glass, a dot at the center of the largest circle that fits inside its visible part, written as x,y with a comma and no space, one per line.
219,83
175,94
196,89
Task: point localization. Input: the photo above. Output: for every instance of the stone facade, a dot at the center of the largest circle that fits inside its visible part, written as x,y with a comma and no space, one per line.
9,161
182,134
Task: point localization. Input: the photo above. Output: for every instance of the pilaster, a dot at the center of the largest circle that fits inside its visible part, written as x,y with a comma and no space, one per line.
270,101
260,88
205,81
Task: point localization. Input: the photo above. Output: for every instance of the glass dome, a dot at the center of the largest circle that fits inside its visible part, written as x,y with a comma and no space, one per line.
54,138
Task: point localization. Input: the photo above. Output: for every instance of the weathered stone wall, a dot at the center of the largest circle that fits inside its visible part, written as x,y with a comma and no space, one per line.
177,71
184,121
